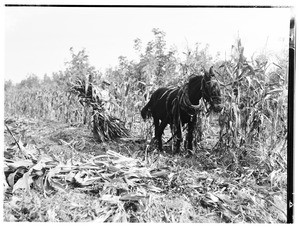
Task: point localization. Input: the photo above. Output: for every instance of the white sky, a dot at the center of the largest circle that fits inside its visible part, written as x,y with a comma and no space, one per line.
38,39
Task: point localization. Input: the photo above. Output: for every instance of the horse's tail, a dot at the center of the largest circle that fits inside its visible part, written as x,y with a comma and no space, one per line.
146,111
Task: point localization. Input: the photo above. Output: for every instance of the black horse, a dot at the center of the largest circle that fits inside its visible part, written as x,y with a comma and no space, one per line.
179,106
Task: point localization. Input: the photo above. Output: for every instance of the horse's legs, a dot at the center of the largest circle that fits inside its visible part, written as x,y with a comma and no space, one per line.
160,131
178,137
156,136
173,134
189,136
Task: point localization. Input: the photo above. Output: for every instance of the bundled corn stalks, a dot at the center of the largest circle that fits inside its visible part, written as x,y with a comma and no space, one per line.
105,126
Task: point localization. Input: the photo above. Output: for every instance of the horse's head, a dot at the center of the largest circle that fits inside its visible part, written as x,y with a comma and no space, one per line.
211,90
205,86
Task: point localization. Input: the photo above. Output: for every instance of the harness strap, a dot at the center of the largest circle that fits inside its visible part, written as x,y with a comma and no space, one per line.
180,102
168,98
185,102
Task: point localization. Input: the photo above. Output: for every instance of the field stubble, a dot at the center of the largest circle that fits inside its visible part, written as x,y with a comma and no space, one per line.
61,174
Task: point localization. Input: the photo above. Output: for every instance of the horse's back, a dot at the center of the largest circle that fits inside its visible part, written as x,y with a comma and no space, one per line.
158,93
159,101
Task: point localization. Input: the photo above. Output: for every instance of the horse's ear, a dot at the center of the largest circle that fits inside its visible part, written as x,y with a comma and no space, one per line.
211,71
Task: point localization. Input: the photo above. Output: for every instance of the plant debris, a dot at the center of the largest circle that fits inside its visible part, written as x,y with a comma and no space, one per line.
112,187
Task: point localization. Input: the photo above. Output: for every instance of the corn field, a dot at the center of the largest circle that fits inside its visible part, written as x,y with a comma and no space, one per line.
238,173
